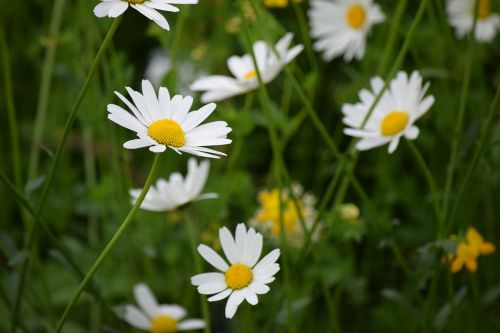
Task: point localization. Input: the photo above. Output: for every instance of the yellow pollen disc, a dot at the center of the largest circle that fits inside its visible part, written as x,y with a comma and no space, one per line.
163,324
238,276
394,122
167,132
356,16
136,2
483,9
251,74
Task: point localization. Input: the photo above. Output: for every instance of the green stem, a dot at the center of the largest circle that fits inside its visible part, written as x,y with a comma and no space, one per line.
44,93
459,123
299,13
107,250
48,182
11,112
432,185
198,266
477,155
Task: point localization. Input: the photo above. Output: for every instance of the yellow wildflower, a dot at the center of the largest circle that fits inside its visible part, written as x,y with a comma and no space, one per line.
279,3
469,250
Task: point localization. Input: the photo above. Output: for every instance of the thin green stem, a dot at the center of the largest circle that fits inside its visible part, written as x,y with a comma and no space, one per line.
459,123
303,26
477,155
55,164
193,240
432,185
107,250
11,112
45,84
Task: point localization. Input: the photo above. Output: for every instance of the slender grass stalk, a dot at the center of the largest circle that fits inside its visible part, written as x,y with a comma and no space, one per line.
11,111
459,120
278,163
45,84
299,13
432,186
193,240
107,250
477,155
55,164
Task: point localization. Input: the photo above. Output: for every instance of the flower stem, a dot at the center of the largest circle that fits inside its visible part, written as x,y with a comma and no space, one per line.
191,228
124,225
44,92
49,180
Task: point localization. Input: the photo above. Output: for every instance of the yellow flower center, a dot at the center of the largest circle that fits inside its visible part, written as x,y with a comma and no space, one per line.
394,122
251,74
483,9
136,2
167,132
163,324
356,16
238,276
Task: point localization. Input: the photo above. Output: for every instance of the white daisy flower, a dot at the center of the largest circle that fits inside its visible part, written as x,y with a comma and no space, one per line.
154,317
244,278
162,122
167,195
394,115
148,8
219,87
461,17
341,26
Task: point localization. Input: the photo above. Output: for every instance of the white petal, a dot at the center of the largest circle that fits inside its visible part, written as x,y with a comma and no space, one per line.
118,9
220,296
206,278
146,299
173,310
191,324
136,318
270,258
212,257
136,143
233,302
228,245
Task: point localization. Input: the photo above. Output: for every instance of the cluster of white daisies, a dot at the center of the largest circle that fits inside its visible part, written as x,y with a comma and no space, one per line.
384,114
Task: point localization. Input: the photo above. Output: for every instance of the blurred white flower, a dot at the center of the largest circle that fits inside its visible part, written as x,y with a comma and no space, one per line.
148,8
162,122
219,87
341,26
461,16
167,195
244,279
394,115
154,317
159,64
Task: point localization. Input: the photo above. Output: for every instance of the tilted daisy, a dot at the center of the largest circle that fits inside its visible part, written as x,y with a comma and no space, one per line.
162,122
341,26
167,195
219,87
148,8
461,16
154,317
394,115
243,278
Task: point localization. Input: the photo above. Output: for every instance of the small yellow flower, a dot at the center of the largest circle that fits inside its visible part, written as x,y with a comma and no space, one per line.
279,3
469,250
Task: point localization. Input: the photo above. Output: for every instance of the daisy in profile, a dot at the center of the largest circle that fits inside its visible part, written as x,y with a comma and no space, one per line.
268,221
219,87
341,26
162,122
243,278
170,194
394,115
461,15
148,8
154,317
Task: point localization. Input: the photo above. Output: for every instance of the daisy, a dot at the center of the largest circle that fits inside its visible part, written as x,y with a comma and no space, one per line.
341,26
219,87
154,317
394,115
148,8
162,122
177,191
461,16
268,220
243,278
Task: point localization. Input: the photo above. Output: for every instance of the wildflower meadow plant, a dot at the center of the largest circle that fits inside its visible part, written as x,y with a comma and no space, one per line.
362,245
